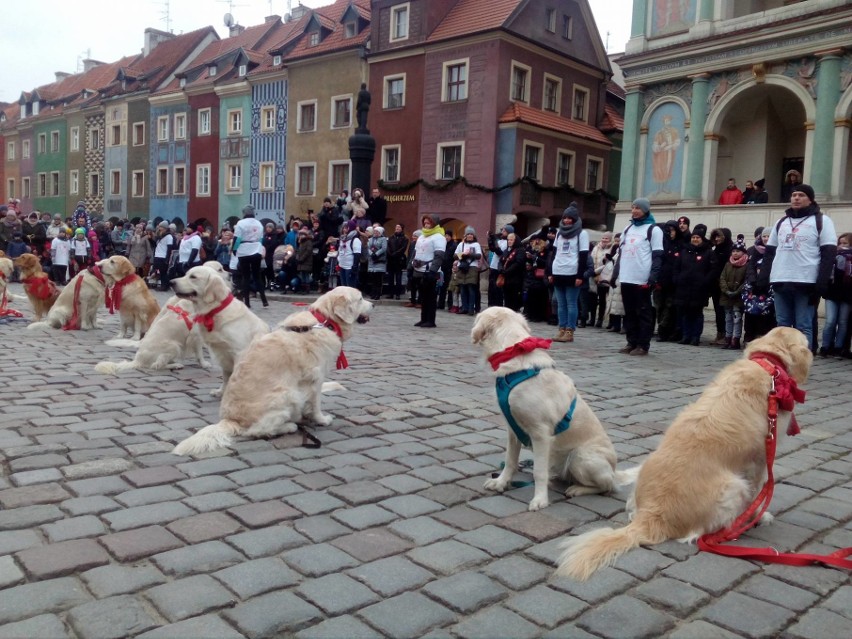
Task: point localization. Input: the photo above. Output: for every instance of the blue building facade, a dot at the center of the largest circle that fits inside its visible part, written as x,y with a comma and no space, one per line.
268,166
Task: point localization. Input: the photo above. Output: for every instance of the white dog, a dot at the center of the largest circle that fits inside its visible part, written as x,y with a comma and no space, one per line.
541,405
279,379
77,305
6,268
710,464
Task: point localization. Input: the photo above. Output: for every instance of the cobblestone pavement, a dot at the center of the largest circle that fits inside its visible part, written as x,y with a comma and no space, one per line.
386,530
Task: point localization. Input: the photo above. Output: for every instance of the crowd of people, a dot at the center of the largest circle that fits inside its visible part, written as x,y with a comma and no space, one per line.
755,191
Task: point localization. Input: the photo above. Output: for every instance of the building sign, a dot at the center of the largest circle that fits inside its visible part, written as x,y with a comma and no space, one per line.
400,198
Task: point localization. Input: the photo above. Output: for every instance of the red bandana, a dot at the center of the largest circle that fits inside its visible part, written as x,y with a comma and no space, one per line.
787,392
206,320
39,287
7,312
325,321
181,313
523,347
113,301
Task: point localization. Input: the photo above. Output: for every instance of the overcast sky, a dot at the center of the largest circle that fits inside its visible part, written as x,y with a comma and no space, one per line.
44,36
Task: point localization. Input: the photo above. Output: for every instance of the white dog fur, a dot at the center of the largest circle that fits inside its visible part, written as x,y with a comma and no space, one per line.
138,307
583,454
710,464
279,379
6,268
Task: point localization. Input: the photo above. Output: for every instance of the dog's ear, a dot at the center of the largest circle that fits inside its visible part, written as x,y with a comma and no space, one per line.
799,354
125,267
213,287
481,328
347,307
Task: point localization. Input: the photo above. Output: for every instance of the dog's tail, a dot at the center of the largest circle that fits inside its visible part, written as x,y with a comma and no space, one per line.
209,438
628,476
122,342
586,553
115,368
328,387
39,326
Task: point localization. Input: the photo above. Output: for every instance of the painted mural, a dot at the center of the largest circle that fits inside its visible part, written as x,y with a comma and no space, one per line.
672,16
665,152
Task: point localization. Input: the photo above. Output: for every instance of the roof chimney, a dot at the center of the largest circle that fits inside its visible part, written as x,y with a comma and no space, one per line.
61,75
269,19
236,30
298,12
153,37
89,64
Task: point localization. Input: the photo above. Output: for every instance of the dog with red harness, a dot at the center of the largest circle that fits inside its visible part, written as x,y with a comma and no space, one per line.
41,292
77,306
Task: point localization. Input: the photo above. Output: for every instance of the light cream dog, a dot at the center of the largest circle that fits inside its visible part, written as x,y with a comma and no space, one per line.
6,268
172,336
709,466
583,453
134,302
227,325
88,289
279,379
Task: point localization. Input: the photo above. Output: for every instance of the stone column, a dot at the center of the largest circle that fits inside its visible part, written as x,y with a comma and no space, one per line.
705,10
628,187
697,120
828,94
637,27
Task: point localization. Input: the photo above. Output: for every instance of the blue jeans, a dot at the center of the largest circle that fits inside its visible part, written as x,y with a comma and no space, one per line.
349,276
566,305
836,324
468,297
793,308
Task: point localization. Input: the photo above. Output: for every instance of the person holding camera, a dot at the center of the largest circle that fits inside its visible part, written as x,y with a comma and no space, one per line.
468,253
428,257
497,243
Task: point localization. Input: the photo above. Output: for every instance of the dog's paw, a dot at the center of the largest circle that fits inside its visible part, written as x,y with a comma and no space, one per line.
175,366
216,392
538,503
495,484
766,519
205,364
323,419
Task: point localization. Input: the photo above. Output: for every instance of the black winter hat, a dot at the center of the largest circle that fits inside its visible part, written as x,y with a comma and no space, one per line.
700,230
807,189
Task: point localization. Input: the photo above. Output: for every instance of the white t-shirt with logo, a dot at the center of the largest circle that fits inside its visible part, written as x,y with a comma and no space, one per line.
797,254
349,248
185,249
163,245
425,249
567,252
635,253
250,232
61,250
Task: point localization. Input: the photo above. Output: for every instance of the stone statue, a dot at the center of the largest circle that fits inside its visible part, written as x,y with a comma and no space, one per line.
362,108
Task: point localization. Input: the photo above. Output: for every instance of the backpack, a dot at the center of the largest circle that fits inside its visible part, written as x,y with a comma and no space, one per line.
818,216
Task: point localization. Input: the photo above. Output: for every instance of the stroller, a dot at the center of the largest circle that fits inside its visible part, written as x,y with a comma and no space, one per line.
283,266
331,269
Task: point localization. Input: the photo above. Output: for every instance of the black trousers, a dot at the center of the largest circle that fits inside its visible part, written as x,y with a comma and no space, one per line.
638,315
428,299
251,267
495,293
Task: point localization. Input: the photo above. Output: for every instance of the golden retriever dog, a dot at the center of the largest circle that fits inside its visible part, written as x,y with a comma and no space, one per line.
41,292
710,464
227,325
6,268
78,303
130,296
582,454
278,380
172,336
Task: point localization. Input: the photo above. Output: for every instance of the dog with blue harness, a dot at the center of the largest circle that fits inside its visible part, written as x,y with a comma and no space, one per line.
544,412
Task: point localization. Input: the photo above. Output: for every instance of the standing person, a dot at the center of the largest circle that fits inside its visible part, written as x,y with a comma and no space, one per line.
599,258
445,297
758,195
378,207
758,305
792,179
569,257
377,255
748,192
513,268
663,295
799,260
81,250
162,253
189,250
731,195
397,260
692,275
248,247
720,247
60,256
838,299
731,283
684,234
139,250
271,239
428,257
349,255
537,304
496,244
55,227
304,261
639,263
468,252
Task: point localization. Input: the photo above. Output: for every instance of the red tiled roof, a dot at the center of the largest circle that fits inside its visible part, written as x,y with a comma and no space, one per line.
474,16
612,121
542,119
336,40
616,90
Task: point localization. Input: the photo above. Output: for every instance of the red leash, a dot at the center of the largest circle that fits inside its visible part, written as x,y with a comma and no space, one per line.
181,313
325,321
784,392
73,323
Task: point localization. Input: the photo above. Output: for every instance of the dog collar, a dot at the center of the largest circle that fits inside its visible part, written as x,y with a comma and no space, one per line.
181,313
523,347
206,320
334,326
113,301
95,270
784,388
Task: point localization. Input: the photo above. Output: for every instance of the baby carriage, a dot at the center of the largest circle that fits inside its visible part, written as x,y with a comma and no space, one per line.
283,266
331,269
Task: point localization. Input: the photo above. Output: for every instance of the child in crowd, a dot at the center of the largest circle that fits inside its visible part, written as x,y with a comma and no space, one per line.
838,299
60,256
731,283
81,250
16,248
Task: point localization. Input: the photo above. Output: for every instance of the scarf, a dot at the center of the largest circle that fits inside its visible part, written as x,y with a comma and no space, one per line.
523,347
571,230
739,262
207,319
647,219
433,231
40,288
810,209
113,301
334,326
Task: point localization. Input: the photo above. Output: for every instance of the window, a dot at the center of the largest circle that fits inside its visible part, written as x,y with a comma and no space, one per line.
202,180
74,182
267,176
267,119
390,163
25,149
54,183
235,178
550,20
95,139
593,174
138,134
26,192
180,180
395,92
10,188
115,182
564,167
552,93
211,70
42,184
341,111
520,82
10,151
75,138
42,143
242,70
163,128
94,184
115,135
180,126
450,160
455,81
313,38
162,180
567,27
532,161
305,182
307,116
204,122
399,22
235,122
54,141
338,177
276,60
350,29
138,184
581,97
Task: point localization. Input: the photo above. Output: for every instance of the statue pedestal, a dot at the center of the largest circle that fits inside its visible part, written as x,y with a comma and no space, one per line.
362,150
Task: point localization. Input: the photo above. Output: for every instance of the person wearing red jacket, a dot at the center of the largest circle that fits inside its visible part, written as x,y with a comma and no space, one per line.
731,194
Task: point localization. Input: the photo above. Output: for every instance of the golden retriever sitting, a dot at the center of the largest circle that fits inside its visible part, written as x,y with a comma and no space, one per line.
129,295
709,466
41,292
227,326
78,303
6,268
582,453
279,378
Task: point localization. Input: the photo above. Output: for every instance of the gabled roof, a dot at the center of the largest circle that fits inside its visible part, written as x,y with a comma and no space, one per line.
474,16
612,121
336,40
527,115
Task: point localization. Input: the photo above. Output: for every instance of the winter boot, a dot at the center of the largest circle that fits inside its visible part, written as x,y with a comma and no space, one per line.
569,335
727,345
560,337
735,344
720,340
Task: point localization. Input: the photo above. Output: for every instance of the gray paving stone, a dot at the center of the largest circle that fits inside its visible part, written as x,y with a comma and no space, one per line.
151,495
496,622
447,557
214,501
339,627
10,574
711,572
411,505
140,542
14,540
701,630
360,492
841,601
144,477
422,530
107,581
318,560
276,614
313,502
606,583
263,513
643,563
206,627
29,600
546,607
261,474
214,466
463,517
97,468
776,591
392,576
819,624
625,616
746,616
337,594
204,527
372,544
139,516
39,626
670,594
407,615
204,557
362,517
404,484
37,461
821,582
115,617
266,541
541,526
63,558
257,577
74,528
206,484
518,572
28,516
189,597
320,528
448,494
270,490
30,477
497,542
465,592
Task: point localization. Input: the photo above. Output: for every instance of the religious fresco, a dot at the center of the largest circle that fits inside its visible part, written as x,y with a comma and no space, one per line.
664,153
672,16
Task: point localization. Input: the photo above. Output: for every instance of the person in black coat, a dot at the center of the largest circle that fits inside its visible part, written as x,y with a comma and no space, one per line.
447,270
692,276
664,294
397,260
378,207
721,244
513,266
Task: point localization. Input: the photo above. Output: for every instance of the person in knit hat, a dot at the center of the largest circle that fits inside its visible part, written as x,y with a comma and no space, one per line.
497,244
569,257
683,229
468,253
638,270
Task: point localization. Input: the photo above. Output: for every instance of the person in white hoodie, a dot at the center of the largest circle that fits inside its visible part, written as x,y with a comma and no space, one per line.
60,256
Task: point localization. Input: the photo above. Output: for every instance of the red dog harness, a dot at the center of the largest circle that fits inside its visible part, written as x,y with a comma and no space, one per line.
40,288
207,319
783,393
73,323
4,311
334,326
181,313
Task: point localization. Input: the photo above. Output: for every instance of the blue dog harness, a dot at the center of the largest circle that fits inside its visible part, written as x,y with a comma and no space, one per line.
505,385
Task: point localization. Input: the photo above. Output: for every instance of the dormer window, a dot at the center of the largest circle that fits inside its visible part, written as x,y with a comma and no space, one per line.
242,70
211,71
350,29
35,107
276,60
314,38
182,82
